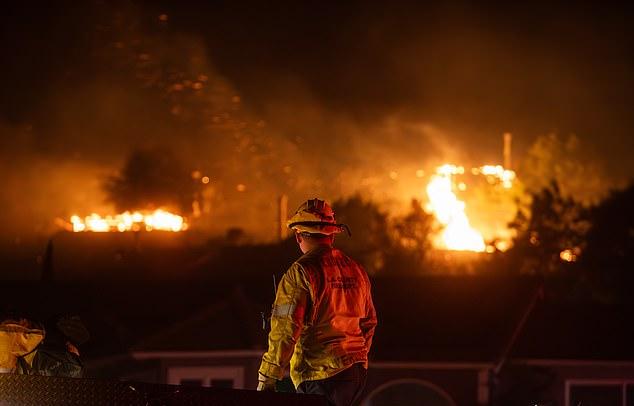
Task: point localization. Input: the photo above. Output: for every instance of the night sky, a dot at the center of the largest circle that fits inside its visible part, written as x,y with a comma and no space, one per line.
329,80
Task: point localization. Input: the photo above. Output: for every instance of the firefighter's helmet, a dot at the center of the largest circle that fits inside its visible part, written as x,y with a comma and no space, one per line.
315,216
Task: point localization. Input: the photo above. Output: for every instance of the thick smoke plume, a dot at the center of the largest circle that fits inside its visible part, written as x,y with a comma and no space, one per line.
151,87
141,82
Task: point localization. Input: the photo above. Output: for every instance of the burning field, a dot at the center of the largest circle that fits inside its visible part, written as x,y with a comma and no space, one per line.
159,220
447,192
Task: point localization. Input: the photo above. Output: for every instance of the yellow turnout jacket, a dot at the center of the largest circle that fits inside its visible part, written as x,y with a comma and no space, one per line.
323,318
18,339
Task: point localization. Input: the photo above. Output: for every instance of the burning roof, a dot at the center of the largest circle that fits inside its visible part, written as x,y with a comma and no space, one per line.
136,221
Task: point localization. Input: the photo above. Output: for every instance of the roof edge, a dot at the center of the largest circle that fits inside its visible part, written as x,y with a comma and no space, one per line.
572,362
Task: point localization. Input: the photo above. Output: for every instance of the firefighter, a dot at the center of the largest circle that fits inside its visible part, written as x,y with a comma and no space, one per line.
323,318
19,340
27,348
58,354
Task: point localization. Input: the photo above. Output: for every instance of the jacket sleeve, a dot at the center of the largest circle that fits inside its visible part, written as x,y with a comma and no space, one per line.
369,322
287,320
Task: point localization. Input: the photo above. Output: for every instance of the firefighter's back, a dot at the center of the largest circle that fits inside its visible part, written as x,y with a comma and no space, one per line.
333,338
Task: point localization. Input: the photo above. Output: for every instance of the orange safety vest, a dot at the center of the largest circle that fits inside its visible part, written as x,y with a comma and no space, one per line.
323,318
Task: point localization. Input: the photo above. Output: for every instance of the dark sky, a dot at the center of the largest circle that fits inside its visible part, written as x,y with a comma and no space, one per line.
523,67
324,70
527,68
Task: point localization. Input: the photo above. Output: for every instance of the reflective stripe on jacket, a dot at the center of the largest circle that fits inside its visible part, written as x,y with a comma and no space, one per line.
323,318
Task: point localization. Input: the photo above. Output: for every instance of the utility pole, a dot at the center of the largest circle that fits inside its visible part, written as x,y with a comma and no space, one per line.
508,139
494,378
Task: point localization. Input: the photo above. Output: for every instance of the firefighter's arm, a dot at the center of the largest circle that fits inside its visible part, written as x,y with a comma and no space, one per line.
369,322
287,320
265,383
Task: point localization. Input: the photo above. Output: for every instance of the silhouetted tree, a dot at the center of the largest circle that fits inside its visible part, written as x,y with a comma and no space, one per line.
608,259
369,226
395,246
553,224
412,244
152,178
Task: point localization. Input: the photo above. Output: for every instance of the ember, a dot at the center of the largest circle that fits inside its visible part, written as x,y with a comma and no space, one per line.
570,255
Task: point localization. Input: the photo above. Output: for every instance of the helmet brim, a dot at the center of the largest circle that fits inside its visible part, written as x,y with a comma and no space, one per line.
316,227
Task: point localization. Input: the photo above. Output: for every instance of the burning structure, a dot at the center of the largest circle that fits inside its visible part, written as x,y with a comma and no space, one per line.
493,204
442,192
136,221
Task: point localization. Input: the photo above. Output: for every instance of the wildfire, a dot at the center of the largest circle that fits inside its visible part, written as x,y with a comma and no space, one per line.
449,210
136,221
496,173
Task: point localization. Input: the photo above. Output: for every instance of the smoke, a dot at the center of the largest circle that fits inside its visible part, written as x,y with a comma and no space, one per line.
149,86
39,189
139,80
129,89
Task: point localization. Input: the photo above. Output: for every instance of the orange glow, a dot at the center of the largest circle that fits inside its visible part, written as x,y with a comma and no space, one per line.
569,255
156,220
458,234
502,245
498,173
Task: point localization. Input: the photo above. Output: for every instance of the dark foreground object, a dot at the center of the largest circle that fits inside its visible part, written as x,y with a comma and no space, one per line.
44,391
341,389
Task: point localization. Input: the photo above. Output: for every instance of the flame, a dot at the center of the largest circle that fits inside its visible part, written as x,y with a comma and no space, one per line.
136,221
496,173
570,254
450,211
